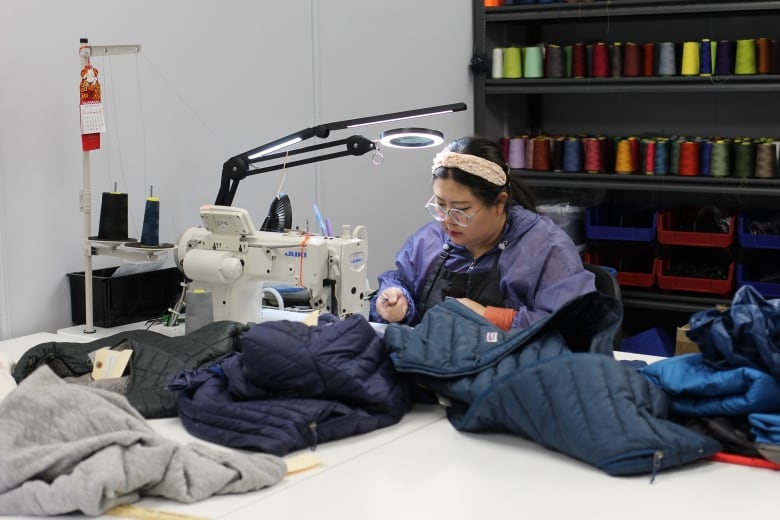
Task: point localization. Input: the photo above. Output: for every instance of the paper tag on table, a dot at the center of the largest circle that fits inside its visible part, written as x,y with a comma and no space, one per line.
312,319
301,463
110,364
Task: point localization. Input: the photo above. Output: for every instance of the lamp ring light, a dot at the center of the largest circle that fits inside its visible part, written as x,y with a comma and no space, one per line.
411,138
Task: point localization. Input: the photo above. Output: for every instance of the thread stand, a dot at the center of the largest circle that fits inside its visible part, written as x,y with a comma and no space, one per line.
127,251
91,247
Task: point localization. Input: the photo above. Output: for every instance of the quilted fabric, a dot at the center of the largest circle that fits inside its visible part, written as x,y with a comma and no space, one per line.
155,358
294,386
745,335
699,390
551,383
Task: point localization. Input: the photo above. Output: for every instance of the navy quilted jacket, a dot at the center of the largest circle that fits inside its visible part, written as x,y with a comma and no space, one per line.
554,382
293,386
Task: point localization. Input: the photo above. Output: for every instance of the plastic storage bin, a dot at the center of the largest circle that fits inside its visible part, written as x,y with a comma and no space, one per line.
609,222
652,342
679,227
124,299
761,269
760,230
634,263
676,281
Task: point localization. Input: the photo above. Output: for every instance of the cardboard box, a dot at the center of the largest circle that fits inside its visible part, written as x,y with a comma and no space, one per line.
684,345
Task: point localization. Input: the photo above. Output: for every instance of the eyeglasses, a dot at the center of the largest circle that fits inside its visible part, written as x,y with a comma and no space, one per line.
457,216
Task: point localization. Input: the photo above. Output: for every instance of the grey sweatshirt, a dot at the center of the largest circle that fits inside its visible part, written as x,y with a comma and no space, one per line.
67,448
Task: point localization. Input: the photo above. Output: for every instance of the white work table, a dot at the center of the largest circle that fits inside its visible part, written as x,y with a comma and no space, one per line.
424,468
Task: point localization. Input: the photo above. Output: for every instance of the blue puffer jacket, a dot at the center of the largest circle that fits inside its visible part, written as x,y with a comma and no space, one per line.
745,335
293,386
699,390
738,370
554,382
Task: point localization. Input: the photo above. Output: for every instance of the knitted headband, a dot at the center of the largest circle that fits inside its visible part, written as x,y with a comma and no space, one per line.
472,164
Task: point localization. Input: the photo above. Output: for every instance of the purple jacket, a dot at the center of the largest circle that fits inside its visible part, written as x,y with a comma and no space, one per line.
540,267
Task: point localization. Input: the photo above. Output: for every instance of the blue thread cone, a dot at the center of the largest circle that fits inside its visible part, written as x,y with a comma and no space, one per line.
150,234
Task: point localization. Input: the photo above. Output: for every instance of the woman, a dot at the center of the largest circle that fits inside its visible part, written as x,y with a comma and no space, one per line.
487,247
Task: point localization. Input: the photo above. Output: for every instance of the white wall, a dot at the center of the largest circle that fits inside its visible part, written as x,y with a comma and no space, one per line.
213,79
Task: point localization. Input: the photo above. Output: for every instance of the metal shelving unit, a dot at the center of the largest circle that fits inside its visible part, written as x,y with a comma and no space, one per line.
655,183
623,8
660,301
498,101
675,84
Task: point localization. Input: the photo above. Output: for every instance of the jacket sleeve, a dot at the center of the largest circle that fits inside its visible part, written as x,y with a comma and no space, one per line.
541,272
411,268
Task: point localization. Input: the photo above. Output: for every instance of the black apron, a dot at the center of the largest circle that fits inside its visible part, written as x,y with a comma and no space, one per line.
441,283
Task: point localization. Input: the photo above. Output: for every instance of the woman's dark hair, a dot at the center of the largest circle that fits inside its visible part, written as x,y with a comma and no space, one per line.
484,190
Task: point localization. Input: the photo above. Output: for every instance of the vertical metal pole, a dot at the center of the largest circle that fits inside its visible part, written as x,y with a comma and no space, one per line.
86,208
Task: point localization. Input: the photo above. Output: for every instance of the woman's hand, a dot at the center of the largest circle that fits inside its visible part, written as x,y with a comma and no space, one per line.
392,305
474,306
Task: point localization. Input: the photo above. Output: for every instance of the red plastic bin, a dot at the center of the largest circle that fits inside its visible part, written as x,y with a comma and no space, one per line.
625,278
668,233
693,284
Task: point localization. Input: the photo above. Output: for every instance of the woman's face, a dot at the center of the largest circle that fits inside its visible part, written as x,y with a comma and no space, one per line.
486,222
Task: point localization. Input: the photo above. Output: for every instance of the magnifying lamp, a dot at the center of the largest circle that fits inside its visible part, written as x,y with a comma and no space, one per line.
237,168
411,138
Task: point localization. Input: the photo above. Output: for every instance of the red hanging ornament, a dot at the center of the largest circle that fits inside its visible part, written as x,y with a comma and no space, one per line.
92,121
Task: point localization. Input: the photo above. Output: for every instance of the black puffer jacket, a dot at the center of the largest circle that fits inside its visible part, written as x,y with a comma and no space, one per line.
155,358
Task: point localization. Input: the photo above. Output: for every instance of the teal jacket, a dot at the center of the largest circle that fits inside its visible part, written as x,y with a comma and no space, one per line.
554,382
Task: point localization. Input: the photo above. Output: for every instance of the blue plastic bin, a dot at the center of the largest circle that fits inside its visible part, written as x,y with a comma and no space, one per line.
651,342
610,222
757,240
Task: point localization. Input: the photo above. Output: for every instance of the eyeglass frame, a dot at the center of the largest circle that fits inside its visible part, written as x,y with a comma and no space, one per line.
439,210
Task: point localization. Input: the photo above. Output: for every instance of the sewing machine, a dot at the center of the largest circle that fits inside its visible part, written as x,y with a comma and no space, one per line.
232,260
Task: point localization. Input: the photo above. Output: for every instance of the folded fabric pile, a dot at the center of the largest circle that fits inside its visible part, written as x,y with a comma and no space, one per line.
732,389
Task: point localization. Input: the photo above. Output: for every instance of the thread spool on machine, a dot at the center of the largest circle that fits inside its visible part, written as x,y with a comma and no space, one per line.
113,225
113,240
150,231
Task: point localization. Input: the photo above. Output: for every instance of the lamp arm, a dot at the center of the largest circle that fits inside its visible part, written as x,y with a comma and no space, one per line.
237,168
322,131
393,116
